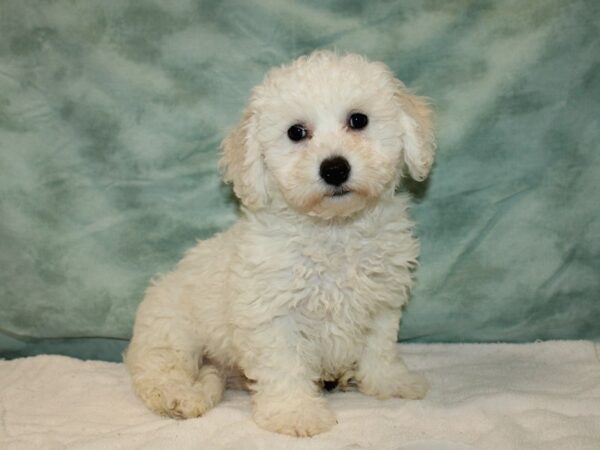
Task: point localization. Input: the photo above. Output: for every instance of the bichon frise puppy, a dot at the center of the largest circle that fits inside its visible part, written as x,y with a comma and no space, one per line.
307,287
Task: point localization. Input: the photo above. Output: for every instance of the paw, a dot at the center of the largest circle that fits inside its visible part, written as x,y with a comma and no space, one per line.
175,402
412,386
295,418
181,399
408,385
181,407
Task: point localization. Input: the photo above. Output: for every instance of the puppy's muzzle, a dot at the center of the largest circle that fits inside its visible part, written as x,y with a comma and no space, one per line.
335,171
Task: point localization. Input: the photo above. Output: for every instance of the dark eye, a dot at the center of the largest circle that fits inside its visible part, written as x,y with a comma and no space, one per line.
297,132
357,121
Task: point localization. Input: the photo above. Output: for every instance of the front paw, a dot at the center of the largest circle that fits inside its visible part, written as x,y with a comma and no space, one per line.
301,418
403,384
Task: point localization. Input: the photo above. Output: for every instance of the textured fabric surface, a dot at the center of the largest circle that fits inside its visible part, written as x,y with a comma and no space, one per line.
484,396
111,113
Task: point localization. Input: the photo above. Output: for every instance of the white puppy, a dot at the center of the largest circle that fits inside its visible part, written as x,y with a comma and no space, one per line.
309,284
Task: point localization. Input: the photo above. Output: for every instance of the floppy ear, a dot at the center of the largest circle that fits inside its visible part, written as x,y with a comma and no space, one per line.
416,118
242,162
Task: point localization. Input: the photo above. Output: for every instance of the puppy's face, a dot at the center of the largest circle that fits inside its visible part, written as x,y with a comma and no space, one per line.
330,136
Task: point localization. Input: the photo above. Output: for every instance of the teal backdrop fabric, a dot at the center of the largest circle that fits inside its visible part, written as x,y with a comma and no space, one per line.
111,113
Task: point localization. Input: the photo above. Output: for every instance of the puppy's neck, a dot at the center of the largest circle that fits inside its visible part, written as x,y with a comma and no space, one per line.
388,209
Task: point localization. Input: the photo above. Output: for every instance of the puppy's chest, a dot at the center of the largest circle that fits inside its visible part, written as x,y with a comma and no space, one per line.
346,278
340,286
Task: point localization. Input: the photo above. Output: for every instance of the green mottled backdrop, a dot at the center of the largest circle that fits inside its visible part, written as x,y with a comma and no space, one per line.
111,113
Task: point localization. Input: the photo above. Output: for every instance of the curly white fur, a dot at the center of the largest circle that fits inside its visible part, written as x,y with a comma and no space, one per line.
306,286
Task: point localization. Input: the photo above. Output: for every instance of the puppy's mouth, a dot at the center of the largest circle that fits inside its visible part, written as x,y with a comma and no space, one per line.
339,192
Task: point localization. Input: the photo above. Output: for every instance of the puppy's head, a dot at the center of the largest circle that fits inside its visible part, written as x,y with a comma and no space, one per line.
328,136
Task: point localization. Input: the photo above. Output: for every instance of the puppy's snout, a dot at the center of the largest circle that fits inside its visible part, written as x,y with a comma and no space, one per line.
335,170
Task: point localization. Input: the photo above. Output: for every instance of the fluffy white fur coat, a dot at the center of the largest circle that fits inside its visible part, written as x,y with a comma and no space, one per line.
309,284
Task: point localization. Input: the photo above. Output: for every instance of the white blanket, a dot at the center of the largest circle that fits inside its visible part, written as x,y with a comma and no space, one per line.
484,396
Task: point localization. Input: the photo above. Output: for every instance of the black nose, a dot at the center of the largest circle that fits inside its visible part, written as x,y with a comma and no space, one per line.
335,171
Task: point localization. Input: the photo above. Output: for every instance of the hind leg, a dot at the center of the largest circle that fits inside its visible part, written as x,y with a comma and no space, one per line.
176,393
166,368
